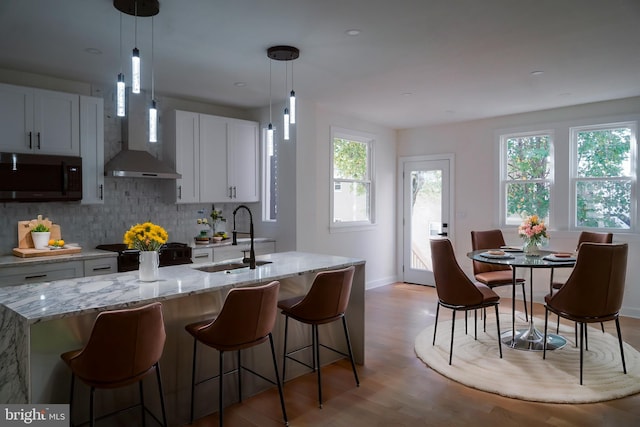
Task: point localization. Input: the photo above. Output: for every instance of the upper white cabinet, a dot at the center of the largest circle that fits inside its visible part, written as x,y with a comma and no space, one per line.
92,149
217,157
39,121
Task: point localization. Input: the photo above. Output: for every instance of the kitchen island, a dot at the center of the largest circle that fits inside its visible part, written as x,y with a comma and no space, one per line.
40,321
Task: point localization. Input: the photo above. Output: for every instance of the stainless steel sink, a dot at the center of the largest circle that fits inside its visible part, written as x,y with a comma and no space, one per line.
228,266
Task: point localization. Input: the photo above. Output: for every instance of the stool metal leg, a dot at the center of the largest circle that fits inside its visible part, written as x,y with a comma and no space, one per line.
275,368
353,365
239,377
314,330
73,380
220,388
142,408
162,407
193,378
284,359
92,418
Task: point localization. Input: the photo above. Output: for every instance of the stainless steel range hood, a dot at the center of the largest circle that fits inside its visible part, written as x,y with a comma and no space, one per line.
134,161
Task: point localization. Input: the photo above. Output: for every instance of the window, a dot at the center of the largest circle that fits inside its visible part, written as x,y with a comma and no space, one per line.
269,178
526,176
603,181
352,182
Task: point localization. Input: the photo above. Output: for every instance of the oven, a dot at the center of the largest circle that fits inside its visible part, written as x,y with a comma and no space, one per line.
169,254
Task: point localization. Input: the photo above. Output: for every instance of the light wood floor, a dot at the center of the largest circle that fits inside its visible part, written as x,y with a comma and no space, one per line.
397,389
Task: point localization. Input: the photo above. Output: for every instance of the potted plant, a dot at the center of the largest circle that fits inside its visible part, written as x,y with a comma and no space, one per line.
40,235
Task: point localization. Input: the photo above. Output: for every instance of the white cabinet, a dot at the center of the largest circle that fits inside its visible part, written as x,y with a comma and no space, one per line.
39,121
96,267
19,275
201,255
217,157
92,149
224,253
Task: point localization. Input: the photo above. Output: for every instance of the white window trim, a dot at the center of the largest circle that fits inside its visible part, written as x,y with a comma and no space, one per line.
573,179
502,196
335,227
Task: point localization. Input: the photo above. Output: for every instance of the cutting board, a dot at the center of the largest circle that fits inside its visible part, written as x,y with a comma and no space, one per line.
31,252
24,232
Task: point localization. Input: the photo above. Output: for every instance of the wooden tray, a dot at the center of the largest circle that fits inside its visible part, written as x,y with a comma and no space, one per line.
31,252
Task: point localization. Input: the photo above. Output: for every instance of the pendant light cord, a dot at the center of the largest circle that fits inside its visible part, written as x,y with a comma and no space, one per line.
152,62
135,31
270,61
120,42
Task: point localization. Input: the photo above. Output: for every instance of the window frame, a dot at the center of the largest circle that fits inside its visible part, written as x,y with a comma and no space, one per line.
503,137
369,140
574,178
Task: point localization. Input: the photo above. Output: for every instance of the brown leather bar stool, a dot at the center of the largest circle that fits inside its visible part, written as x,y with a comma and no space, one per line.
325,302
124,347
245,320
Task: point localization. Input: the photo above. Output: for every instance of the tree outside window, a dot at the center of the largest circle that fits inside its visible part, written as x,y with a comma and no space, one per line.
603,178
526,176
352,183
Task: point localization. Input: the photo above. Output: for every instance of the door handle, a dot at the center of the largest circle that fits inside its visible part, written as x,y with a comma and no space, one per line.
443,234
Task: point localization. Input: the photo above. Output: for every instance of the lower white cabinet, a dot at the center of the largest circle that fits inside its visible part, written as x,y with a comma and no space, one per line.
224,253
96,267
34,273
201,255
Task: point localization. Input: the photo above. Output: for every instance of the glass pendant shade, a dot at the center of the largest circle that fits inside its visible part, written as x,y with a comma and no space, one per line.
120,96
270,135
292,107
153,122
286,124
135,71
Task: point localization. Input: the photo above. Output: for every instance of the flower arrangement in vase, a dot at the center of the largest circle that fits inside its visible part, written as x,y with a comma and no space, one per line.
148,238
534,233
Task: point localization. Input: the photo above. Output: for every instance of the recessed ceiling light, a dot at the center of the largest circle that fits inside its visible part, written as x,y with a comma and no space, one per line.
239,84
407,93
353,32
93,51
537,73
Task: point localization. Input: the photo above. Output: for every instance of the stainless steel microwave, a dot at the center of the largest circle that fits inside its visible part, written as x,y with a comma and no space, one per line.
40,178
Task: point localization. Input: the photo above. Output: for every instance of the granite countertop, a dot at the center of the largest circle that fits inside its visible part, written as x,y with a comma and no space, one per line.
12,260
58,299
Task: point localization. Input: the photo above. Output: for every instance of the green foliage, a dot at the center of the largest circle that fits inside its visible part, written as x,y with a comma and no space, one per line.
349,159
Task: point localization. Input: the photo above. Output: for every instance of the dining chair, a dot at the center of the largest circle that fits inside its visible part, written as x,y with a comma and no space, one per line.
325,302
593,292
456,291
124,347
494,275
585,236
246,319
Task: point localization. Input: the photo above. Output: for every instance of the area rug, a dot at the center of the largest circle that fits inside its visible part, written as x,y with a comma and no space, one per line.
524,374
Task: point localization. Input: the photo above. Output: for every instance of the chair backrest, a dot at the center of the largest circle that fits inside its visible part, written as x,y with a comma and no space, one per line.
246,318
588,236
123,345
328,297
596,285
452,285
489,239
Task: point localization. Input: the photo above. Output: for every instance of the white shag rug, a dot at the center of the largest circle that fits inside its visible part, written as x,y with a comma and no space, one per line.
524,374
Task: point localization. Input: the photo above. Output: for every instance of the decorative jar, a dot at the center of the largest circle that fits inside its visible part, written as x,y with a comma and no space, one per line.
149,264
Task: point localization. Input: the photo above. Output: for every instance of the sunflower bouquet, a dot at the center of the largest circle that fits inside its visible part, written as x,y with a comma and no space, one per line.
146,237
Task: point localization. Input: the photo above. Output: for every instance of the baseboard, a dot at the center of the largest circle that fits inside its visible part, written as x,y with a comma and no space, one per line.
381,282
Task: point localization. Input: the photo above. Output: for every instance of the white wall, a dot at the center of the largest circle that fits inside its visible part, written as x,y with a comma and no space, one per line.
377,245
475,147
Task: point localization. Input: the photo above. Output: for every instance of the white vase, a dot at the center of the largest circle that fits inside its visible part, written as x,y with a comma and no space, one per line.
40,239
149,263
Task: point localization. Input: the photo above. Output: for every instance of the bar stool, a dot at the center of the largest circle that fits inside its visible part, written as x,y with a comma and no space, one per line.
124,347
325,302
245,320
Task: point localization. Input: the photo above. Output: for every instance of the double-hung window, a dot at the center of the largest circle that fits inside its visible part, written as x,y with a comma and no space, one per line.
352,188
526,176
603,183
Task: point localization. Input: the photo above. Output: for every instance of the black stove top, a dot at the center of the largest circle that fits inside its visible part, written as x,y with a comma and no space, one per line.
172,253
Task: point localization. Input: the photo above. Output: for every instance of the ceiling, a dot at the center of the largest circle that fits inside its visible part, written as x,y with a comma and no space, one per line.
414,63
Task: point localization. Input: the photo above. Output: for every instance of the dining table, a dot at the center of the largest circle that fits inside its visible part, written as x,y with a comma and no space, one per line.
529,338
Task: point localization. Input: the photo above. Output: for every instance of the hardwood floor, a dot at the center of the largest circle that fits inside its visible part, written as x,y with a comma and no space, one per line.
398,389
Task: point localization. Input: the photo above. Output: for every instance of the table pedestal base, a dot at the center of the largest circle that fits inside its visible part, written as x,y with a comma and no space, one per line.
531,339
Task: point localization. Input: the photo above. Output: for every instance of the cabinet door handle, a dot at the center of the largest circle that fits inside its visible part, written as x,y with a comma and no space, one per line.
38,140
37,276
202,256
30,140
102,268
179,192
101,188
231,192
234,192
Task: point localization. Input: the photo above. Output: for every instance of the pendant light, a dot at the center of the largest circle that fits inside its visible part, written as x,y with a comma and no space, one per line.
153,111
286,53
135,57
270,127
120,86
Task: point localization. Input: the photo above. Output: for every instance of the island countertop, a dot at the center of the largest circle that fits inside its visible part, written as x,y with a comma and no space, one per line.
53,300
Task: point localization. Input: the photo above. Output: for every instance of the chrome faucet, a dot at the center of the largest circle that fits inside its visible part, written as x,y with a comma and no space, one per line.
252,255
